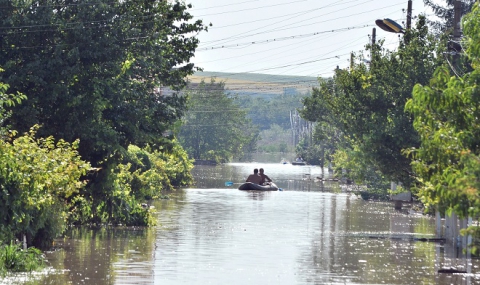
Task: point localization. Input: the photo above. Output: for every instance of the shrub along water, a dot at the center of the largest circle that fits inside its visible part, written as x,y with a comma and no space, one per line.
120,190
13,258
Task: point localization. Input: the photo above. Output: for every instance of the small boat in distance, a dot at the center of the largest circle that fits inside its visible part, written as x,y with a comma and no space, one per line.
252,186
299,161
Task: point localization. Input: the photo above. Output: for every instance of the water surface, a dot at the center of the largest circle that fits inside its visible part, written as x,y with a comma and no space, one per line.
312,232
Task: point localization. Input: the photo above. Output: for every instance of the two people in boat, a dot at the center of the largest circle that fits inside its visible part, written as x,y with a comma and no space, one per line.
259,177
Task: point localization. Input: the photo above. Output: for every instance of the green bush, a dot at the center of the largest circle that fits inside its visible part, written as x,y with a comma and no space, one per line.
155,171
143,174
14,258
37,177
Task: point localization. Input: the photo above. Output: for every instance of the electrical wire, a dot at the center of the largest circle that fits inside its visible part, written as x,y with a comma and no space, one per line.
288,26
241,35
250,9
220,6
282,16
283,38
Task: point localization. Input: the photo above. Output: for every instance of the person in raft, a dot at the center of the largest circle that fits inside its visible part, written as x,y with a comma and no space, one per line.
265,179
254,178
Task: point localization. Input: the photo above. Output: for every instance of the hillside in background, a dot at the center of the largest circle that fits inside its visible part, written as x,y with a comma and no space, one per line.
256,84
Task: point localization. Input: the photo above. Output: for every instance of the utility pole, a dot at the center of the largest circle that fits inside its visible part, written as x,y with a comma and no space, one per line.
372,50
457,32
374,39
457,8
351,61
409,21
374,36
409,14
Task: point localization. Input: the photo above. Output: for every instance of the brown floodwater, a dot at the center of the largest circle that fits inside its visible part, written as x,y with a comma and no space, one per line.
312,232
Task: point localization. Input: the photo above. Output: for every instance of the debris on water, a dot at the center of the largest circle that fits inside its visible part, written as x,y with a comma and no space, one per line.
451,271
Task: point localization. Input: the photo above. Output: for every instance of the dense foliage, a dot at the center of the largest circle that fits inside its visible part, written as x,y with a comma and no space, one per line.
93,70
447,118
271,114
100,77
37,176
14,259
445,12
319,148
215,127
366,105
143,174
274,110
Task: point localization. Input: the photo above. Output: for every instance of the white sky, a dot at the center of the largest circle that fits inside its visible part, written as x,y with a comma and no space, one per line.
291,37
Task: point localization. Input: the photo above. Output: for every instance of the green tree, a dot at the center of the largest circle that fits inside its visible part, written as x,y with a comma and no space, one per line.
446,13
326,139
274,139
215,127
97,70
272,116
266,112
447,118
7,101
367,102
37,177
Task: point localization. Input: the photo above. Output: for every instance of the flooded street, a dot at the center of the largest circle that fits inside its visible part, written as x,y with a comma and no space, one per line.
312,232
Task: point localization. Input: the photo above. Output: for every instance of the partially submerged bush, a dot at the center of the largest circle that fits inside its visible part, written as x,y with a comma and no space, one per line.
13,258
37,177
117,195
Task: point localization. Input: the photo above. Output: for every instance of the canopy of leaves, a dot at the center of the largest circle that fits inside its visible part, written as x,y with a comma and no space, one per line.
94,70
367,102
447,118
215,127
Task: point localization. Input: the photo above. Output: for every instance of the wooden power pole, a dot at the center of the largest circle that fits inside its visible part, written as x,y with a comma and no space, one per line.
457,32
409,15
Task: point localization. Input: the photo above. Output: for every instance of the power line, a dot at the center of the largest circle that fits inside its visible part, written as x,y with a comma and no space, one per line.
282,16
242,35
63,5
283,38
249,9
294,66
219,6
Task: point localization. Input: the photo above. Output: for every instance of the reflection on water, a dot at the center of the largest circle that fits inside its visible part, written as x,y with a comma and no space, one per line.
286,176
213,234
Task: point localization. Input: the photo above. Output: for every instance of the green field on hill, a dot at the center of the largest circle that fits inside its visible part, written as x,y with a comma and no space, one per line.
256,83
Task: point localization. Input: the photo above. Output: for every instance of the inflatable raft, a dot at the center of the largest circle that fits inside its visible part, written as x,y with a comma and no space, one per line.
253,186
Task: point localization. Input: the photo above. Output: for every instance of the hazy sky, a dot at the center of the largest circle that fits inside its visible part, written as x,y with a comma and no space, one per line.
291,37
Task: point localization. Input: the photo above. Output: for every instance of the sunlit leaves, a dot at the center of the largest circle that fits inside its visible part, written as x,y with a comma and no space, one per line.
37,175
447,118
366,103
98,72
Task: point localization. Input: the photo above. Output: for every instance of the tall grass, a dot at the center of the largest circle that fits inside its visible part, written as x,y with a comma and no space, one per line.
14,259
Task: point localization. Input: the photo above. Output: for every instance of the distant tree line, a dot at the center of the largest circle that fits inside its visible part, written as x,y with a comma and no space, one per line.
272,116
216,126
